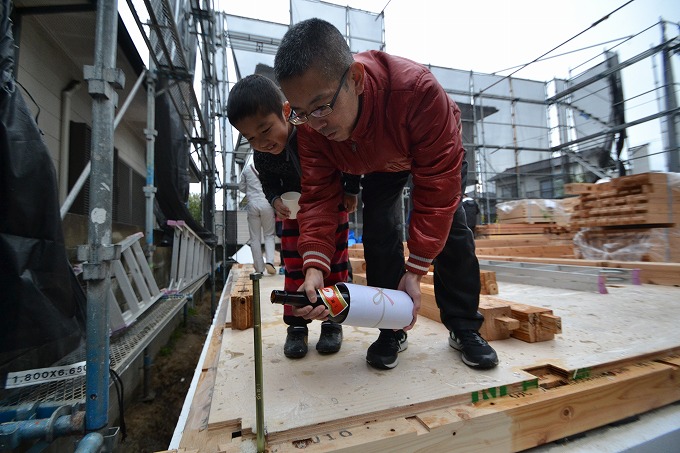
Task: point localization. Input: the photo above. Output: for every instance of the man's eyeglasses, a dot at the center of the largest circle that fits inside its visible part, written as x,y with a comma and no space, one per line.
322,111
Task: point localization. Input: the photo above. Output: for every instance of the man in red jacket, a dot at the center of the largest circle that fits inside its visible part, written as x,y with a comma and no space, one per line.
387,118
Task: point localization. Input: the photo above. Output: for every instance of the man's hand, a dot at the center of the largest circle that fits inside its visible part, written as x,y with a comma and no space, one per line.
410,283
349,202
313,281
282,211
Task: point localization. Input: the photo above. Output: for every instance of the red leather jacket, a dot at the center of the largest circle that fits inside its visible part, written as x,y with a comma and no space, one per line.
407,122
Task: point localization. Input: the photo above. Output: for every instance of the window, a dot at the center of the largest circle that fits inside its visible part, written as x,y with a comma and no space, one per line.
128,185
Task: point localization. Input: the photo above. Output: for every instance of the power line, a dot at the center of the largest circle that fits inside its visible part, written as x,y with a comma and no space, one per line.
594,24
563,54
622,42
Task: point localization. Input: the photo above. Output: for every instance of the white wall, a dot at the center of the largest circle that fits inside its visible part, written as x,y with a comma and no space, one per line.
45,69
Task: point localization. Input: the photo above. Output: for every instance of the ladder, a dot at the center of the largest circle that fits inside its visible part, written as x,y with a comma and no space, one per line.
140,293
191,257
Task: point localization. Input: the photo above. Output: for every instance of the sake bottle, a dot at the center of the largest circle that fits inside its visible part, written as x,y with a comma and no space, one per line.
356,305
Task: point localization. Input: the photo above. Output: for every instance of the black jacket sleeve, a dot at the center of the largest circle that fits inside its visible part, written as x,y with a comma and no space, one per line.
271,181
351,183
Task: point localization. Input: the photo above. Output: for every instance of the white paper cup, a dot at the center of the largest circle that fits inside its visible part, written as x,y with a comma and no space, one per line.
291,199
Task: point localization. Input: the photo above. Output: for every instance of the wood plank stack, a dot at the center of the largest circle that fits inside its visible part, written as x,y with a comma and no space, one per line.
487,278
242,298
631,218
515,230
503,319
545,251
525,211
644,199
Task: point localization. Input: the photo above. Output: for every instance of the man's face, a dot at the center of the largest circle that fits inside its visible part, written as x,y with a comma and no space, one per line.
265,133
313,91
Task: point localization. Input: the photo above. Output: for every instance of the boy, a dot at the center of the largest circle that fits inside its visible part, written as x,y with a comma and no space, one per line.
387,118
256,108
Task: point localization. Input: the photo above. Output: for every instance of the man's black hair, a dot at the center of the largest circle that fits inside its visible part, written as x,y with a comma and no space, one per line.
312,43
254,95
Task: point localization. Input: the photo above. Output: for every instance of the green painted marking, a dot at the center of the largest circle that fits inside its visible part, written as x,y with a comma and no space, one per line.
581,373
490,393
532,384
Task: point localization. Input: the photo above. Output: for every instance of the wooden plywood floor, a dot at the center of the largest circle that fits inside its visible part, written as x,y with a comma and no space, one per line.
303,395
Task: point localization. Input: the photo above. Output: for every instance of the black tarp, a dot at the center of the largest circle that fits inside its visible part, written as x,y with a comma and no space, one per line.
171,153
41,303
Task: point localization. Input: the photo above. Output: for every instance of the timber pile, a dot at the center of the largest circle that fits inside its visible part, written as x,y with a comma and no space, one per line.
502,229
503,319
552,233
487,278
644,199
535,211
632,218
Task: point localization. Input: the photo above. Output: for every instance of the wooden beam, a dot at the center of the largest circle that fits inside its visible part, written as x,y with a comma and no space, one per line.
654,273
509,422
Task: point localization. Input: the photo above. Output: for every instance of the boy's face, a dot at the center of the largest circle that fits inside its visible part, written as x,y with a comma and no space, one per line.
313,90
265,133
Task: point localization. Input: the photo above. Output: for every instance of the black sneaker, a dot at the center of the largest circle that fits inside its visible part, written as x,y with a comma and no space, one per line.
475,351
271,270
330,339
296,342
384,352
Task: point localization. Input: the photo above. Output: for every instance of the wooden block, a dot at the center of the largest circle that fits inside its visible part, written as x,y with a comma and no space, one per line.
488,282
498,321
536,323
487,279
551,322
358,264
356,253
428,305
359,278
242,312
507,323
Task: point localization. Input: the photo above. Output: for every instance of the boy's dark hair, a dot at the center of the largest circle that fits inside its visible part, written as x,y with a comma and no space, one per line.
254,95
312,42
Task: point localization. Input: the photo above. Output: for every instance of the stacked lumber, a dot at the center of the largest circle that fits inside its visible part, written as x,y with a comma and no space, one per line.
495,229
631,218
527,211
487,278
502,319
489,285
545,251
644,199
241,297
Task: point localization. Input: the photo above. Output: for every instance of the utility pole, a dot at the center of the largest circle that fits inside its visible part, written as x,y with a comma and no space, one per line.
672,119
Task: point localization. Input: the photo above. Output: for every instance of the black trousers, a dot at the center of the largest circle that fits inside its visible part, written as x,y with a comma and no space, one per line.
456,269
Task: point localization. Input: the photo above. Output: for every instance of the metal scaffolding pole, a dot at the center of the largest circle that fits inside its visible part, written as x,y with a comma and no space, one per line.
672,119
150,133
102,78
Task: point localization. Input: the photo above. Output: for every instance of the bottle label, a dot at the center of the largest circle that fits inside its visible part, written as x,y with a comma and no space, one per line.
333,299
